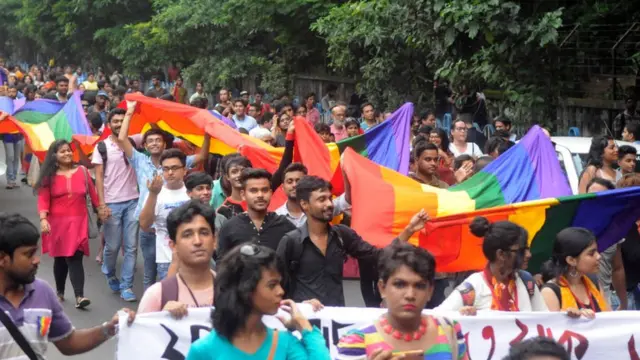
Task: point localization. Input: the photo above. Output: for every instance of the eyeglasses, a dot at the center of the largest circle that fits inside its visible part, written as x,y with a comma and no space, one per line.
172,168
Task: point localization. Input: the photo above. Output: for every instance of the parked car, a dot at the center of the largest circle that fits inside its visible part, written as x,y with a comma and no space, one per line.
572,154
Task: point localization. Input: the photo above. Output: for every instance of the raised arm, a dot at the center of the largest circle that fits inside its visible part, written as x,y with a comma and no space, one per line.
204,150
123,137
287,158
148,213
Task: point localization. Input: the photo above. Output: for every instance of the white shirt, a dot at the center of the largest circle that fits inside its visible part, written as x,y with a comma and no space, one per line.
472,149
340,204
483,296
246,122
167,200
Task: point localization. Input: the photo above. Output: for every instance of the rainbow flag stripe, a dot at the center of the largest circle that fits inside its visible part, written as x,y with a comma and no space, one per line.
386,144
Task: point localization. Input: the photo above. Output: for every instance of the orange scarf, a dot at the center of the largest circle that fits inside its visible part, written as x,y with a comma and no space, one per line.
569,300
504,297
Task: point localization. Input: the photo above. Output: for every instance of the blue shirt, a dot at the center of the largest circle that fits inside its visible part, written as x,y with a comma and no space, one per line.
214,347
247,122
145,169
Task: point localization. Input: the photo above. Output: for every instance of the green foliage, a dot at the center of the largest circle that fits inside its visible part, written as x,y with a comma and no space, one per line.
400,45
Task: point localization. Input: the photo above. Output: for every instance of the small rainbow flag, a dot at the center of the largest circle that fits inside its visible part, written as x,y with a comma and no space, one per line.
44,121
44,323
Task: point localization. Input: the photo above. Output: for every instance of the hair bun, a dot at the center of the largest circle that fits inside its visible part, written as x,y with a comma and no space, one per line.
479,226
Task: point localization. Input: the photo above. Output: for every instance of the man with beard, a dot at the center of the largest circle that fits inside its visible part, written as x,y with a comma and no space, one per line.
29,303
100,106
339,114
257,224
62,89
314,254
291,209
426,158
146,167
117,188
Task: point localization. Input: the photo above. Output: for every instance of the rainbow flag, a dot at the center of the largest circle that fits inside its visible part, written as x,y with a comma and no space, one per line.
609,215
528,171
523,175
224,119
388,143
44,121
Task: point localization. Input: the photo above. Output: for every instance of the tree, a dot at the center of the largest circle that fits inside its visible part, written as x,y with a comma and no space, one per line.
399,46
224,41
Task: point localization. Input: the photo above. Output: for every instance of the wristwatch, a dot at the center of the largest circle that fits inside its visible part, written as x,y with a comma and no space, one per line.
105,331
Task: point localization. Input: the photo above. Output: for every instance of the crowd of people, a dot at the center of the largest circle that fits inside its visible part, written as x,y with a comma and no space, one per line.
207,237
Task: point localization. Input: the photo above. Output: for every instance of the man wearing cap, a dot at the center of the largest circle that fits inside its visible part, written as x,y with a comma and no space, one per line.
102,98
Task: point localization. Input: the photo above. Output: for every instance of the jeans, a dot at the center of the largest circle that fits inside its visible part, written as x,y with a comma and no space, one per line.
121,228
13,153
148,247
615,301
163,269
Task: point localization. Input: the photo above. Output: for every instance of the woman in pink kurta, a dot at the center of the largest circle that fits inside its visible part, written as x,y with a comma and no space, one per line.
62,187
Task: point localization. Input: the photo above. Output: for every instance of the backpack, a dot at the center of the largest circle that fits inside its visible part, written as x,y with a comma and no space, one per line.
469,295
102,150
296,254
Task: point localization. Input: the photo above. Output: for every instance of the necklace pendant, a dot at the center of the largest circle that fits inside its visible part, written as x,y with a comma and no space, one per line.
408,337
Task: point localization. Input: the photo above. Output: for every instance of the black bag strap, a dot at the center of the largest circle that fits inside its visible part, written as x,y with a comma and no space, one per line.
17,336
102,150
169,290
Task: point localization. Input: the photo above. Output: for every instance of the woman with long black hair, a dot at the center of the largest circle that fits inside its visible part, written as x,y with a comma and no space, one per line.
576,263
249,286
63,188
602,157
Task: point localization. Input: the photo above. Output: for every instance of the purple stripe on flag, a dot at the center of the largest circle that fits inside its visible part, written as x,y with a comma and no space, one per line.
75,115
224,119
401,128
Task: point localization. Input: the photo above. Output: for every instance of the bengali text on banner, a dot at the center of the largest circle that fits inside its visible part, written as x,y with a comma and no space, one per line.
489,334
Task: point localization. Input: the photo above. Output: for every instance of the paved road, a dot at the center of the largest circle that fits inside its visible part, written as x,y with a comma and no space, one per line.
103,302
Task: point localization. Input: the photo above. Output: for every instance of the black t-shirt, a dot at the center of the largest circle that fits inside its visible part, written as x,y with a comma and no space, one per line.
240,229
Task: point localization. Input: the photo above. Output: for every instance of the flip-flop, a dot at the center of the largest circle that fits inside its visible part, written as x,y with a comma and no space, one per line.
82,303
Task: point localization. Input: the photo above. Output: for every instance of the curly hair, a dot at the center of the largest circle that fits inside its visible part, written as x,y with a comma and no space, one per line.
596,151
236,281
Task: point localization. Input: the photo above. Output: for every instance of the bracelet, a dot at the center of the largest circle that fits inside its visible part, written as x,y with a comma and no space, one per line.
105,330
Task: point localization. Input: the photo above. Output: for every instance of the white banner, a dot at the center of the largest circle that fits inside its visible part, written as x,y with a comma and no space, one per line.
489,334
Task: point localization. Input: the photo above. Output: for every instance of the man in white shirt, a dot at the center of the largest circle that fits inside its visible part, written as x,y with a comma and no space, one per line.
240,118
161,200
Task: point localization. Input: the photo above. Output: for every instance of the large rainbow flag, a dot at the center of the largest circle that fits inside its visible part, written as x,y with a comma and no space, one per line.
388,143
44,121
528,171
392,199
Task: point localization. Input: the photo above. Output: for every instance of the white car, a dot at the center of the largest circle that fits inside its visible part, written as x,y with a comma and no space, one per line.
572,153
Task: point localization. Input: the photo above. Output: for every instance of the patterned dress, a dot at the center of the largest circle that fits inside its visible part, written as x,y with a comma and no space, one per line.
361,343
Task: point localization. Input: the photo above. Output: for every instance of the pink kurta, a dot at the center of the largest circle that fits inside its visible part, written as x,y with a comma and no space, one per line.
65,200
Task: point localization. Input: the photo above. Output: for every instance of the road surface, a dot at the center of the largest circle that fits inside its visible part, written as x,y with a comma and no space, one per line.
104,303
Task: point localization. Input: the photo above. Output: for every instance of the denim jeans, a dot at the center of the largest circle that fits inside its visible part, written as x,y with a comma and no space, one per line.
163,269
13,153
121,228
148,247
614,300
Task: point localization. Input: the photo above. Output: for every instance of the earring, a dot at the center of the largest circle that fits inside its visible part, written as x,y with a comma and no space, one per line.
573,272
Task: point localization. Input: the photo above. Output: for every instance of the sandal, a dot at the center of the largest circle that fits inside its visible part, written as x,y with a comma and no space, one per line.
82,302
